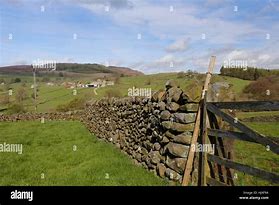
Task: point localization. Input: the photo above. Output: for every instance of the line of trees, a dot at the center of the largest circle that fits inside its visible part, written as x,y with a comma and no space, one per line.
248,73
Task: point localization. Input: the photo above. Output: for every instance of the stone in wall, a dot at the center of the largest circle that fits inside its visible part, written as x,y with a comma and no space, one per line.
162,105
174,94
178,150
157,146
155,157
176,164
165,115
183,138
158,96
172,106
184,117
161,169
172,175
177,127
164,141
170,84
189,107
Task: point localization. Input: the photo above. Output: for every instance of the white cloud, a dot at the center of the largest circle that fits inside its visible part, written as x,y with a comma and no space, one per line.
66,60
266,57
237,55
110,3
167,61
187,21
179,45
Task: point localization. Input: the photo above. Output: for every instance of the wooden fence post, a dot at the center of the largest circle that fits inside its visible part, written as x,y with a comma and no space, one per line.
189,162
203,142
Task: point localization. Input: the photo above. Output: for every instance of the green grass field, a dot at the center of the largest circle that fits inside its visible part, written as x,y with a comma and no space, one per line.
242,115
257,155
238,84
49,96
49,158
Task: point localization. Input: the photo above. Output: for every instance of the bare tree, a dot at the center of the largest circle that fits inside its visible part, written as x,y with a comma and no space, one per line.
21,94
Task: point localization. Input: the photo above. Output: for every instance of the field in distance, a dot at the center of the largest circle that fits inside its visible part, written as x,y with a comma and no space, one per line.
54,93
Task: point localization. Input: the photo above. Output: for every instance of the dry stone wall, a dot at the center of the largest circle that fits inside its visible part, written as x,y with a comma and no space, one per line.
71,115
155,132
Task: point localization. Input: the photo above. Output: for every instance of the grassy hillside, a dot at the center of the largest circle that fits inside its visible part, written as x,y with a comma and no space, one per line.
157,82
65,153
49,97
238,84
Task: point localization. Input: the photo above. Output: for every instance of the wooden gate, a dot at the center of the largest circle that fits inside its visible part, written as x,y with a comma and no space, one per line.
217,169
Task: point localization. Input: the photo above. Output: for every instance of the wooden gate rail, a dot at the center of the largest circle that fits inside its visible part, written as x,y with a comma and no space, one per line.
244,168
248,105
230,134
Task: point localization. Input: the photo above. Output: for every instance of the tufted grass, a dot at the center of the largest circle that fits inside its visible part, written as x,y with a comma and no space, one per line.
48,149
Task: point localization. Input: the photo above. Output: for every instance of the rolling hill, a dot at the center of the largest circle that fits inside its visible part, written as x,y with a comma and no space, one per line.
72,69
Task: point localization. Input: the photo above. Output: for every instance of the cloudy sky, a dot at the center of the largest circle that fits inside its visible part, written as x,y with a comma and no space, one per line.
149,35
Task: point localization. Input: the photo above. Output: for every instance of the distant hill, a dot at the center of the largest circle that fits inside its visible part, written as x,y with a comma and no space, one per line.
17,69
73,68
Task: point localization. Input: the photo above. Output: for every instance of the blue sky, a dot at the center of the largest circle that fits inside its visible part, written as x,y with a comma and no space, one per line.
149,35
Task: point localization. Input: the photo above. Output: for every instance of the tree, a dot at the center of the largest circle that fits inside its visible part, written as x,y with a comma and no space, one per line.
256,74
249,73
2,80
117,80
16,108
21,94
45,79
17,80
265,88
181,74
148,82
222,70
